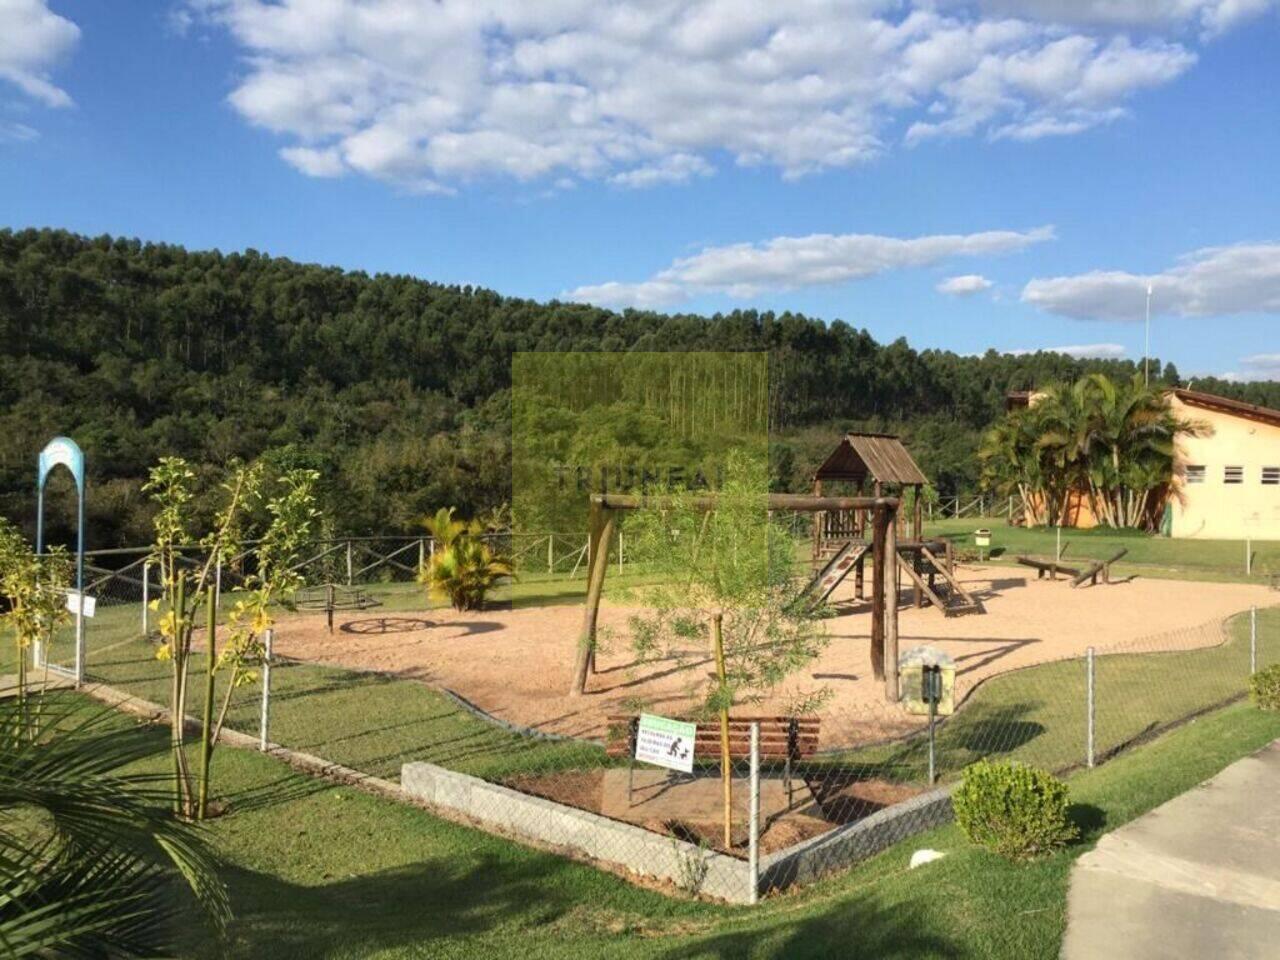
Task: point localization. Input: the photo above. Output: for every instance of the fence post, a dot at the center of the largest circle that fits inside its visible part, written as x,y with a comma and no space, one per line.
619,550
1248,557
146,594
1253,640
422,550
551,552
1090,704
753,837
348,563
265,721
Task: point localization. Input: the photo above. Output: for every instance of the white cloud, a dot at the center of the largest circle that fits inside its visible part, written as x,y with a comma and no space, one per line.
1212,16
643,92
1214,281
1095,351
17,133
964,286
32,40
1259,366
784,263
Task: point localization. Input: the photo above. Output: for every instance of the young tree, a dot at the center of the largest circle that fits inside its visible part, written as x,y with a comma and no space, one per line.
189,588
33,599
293,521
723,577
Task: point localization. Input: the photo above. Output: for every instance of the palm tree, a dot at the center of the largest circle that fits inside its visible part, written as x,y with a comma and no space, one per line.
1110,443
91,856
1127,436
462,568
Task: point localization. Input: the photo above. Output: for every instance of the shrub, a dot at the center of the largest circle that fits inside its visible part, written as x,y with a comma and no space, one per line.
1264,688
463,568
1011,809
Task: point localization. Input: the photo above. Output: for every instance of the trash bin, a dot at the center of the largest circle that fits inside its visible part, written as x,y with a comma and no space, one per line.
982,539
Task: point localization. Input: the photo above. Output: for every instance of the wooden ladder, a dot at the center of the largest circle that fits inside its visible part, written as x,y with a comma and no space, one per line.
957,601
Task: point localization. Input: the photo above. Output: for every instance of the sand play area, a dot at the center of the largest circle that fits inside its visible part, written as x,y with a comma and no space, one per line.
518,664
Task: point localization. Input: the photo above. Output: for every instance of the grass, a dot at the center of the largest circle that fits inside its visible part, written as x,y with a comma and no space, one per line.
1148,555
376,722
1038,714
328,872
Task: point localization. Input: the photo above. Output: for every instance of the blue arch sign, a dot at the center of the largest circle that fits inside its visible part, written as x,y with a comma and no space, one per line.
65,452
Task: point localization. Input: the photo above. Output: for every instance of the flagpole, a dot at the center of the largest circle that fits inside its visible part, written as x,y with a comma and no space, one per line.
1146,356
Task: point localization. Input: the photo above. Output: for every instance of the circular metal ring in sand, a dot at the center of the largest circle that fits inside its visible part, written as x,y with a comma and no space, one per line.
385,625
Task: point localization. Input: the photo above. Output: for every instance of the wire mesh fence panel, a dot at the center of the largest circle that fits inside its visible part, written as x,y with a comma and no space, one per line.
383,691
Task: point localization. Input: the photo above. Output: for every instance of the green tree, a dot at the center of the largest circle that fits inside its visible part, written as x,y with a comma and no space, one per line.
33,594
722,576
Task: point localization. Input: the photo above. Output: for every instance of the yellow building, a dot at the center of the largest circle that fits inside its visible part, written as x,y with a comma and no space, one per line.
1227,480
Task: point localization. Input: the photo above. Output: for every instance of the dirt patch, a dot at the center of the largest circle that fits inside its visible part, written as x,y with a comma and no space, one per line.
690,808
517,664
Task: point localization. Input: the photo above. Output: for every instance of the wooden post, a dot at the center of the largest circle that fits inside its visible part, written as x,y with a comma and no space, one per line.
817,522
206,712
877,592
891,613
601,524
726,771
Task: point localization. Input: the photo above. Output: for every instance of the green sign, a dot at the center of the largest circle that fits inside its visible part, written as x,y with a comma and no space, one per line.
666,743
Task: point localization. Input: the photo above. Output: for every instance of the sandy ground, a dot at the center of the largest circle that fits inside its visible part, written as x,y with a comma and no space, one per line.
518,664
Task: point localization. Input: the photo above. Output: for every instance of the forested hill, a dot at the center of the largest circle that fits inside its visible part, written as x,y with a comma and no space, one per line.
396,387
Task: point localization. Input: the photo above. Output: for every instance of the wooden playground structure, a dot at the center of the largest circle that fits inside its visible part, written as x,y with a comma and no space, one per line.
881,462
847,532
880,512
1092,571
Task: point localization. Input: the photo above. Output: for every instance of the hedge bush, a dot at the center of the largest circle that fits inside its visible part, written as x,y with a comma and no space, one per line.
1014,810
1264,688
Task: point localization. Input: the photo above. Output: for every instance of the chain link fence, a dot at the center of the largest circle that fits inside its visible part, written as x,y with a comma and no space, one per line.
805,794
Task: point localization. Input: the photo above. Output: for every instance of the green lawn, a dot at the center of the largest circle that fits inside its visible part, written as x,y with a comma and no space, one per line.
1148,555
327,872
375,722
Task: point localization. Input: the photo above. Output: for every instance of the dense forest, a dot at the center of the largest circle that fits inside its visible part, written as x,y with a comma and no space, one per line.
398,389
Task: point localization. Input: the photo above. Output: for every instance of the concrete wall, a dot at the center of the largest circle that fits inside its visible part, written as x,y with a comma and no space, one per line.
577,831
815,858
1215,509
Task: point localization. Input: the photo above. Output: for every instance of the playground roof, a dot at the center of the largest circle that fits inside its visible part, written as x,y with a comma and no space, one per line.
880,456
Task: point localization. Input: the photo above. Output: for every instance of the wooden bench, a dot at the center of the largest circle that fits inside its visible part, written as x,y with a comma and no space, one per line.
788,739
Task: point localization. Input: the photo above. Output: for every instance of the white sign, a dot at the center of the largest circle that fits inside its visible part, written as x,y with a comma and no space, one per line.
73,601
666,743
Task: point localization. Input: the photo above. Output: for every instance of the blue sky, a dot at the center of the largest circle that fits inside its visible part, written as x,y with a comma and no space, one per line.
965,174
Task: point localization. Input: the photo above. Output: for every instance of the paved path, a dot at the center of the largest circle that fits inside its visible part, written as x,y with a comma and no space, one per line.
1198,877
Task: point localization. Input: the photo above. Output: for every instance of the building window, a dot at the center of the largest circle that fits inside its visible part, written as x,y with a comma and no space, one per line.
1195,474
1271,476
1233,474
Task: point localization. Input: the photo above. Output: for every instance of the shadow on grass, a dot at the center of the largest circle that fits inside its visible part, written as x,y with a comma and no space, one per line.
1090,820
413,907
860,928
